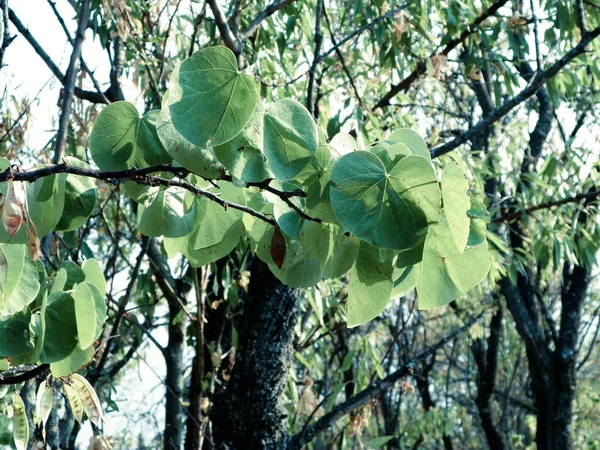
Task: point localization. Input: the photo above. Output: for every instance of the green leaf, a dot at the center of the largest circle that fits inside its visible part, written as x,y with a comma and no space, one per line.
80,198
121,139
74,275
370,284
456,203
290,138
20,284
243,156
335,251
412,139
209,99
76,360
214,220
166,215
94,274
386,209
405,280
14,334
445,273
59,327
90,310
199,160
298,269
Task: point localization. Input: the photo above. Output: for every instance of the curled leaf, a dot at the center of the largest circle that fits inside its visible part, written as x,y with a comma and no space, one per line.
12,210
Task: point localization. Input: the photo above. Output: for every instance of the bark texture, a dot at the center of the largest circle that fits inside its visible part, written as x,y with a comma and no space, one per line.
249,414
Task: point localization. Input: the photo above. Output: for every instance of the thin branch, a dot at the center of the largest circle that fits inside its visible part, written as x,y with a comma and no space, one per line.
90,96
14,124
580,17
269,11
199,20
229,38
340,43
6,39
83,63
538,81
69,84
342,60
421,67
142,177
546,205
318,39
299,440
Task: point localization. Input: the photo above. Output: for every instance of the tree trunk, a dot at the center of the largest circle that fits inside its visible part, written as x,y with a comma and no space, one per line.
249,414
174,378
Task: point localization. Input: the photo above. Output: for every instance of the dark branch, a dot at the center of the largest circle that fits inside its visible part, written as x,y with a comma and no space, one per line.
588,196
69,84
16,375
269,11
299,440
90,96
5,38
140,176
538,81
422,67
229,38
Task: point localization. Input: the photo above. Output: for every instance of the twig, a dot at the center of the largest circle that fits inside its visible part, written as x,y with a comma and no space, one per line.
580,16
14,124
6,39
69,84
310,105
340,43
83,63
422,67
538,81
91,96
299,440
547,205
342,60
199,20
269,11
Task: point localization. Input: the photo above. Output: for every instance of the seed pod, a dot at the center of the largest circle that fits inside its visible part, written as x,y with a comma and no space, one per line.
89,398
20,424
74,401
43,404
12,211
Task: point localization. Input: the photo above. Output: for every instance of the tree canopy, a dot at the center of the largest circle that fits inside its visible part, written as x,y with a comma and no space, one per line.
336,223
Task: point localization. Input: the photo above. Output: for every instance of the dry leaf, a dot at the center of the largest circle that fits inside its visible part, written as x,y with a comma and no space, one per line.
278,247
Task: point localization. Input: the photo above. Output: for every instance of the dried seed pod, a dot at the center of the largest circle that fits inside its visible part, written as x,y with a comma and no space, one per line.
20,424
89,398
74,401
12,210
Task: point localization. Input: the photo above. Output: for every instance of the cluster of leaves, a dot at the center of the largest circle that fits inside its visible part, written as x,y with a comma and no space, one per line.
321,209
380,213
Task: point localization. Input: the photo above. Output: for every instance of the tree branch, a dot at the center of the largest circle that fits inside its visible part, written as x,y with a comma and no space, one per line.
16,375
5,39
269,11
422,67
229,38
588,196
90,96
538,81
299,440
69,84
